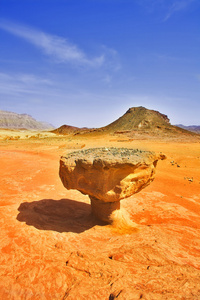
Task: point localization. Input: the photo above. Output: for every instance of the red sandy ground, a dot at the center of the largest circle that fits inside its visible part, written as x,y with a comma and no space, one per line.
53,248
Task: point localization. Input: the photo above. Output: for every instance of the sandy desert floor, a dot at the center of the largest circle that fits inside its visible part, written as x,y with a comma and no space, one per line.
53,248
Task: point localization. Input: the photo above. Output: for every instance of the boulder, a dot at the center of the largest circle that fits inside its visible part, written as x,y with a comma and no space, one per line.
108,175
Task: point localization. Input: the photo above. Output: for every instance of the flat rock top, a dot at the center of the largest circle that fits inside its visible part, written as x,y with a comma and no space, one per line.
109,156
108,174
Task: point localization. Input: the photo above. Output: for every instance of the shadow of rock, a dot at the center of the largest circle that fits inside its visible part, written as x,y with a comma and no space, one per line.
63,215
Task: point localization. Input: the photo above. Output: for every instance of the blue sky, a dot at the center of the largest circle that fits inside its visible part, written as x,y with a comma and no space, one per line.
85,62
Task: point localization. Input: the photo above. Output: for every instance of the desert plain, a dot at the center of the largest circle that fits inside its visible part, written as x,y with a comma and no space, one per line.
52,247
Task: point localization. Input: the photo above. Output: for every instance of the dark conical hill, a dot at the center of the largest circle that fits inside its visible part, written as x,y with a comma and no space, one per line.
67,129
139,118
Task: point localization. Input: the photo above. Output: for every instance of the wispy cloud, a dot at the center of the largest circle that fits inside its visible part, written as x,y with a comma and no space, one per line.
19,84
166,7
150,5
177,6
54,46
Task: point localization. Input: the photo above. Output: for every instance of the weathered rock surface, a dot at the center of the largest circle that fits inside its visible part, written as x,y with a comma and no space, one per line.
108,175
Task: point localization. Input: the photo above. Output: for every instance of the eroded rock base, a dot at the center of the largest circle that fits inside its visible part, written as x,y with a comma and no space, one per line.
121,222
104,210
111,213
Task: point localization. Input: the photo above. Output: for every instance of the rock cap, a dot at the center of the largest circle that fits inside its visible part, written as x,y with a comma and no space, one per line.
108,174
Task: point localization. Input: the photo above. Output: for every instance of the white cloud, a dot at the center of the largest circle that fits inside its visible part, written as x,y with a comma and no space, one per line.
177,6
57,47
167,7
21,83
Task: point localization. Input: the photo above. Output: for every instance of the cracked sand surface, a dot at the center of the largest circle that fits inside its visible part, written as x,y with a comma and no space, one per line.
52,248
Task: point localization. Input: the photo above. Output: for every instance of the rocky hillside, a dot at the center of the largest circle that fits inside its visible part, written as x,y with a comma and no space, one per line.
139,118
21,121
67,129
136,121
143,120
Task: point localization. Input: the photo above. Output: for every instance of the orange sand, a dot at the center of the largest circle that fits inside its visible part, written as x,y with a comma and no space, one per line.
52,248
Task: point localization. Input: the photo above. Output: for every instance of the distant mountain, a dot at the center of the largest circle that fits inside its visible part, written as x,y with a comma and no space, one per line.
11,120
193,128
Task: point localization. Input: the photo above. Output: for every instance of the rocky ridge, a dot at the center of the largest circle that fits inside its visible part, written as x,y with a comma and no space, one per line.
21,121
137,121
193,128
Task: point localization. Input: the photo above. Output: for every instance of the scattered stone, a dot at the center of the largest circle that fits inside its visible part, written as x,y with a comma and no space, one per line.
190,179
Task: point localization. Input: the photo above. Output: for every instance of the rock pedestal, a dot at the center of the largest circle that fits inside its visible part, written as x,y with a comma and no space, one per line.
108,175
103,210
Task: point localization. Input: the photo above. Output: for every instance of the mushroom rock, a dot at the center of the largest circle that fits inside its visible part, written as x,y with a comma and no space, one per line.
108,175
